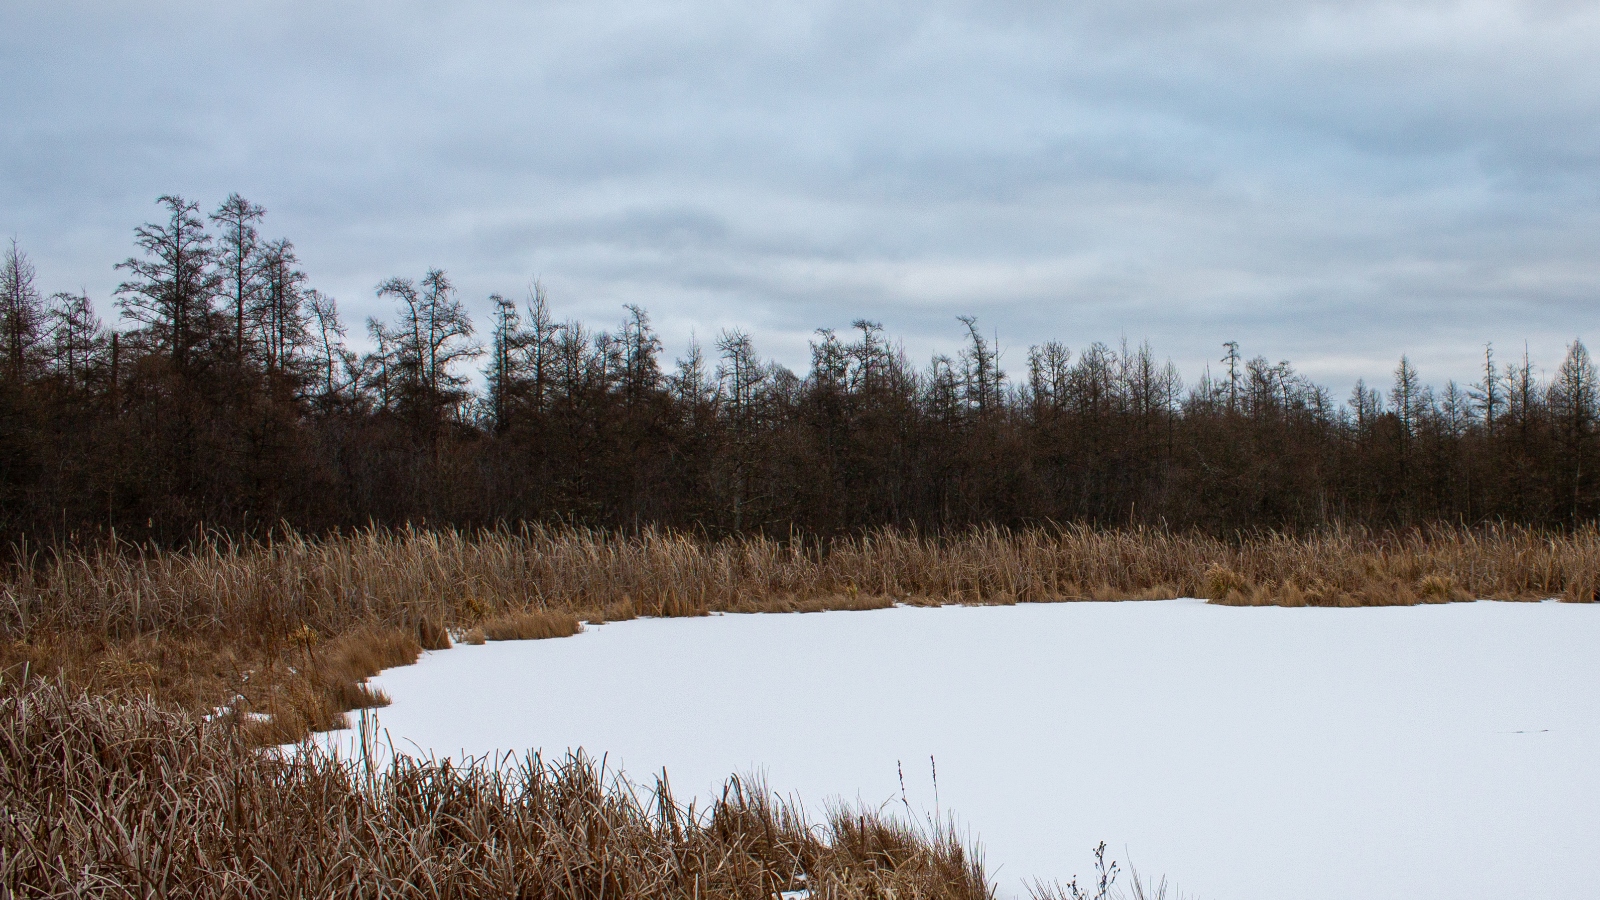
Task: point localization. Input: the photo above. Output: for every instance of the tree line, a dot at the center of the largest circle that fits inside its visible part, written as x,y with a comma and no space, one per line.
233,401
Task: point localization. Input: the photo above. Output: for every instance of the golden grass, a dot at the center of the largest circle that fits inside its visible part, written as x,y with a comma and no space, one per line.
533,625
288,627
129,799
115,786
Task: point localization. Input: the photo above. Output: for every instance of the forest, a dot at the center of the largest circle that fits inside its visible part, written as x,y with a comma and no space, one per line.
231,401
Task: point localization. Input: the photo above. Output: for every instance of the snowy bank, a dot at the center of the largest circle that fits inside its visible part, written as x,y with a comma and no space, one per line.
1255,754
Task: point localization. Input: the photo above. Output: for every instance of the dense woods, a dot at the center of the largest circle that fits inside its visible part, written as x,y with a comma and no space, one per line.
233,401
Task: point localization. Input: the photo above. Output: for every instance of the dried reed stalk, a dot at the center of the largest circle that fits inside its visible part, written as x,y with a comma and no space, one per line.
288,626
128,799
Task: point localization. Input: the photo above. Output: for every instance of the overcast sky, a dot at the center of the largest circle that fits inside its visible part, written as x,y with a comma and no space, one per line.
1330,183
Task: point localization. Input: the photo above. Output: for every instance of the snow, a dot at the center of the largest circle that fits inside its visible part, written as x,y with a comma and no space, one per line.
232,709
1247,753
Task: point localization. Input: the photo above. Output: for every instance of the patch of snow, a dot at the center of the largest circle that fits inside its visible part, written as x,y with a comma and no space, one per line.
232,708
1448,751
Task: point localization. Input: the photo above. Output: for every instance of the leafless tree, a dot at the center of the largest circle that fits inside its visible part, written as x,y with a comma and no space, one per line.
981,377
1575,403
173,286
78,338
333,362
507,344
1406,395
22,314
240,263
278,310
641,351
434,334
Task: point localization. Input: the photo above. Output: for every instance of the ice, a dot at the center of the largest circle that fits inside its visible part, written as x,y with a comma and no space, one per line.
1247,753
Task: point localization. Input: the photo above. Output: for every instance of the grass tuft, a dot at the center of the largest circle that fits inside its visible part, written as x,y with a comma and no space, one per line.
533,625
431,635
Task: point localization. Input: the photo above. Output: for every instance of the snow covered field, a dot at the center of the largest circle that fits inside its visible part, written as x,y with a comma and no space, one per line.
1247,753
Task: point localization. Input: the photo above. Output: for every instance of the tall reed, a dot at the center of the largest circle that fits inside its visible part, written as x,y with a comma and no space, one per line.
287,625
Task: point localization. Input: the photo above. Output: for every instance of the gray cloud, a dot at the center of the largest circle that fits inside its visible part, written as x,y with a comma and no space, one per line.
1332,183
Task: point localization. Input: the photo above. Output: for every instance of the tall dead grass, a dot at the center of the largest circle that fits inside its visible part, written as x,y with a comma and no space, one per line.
289,626
129,799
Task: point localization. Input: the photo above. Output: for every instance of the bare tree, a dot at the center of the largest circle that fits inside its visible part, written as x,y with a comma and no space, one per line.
542,333
1232,360
830,362
692,388
434,334
641,351
741,375
1367,404
22,314
1524,404
379,365
1487,392
332,357
508,340
1049,368
742,378
279,307
1407,397
239,261
172,288
1575,402
980,369
1093,386
873,360
78,336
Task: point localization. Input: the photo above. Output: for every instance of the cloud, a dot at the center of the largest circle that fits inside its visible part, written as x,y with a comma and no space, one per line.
1332,183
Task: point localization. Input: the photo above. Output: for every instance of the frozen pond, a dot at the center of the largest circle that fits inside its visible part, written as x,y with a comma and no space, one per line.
1249,754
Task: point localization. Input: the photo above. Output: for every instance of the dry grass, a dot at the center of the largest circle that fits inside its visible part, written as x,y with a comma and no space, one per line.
533,625
128,799
289,627
114,786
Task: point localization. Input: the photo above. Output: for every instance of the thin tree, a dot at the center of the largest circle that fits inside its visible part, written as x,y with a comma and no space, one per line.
1232,359
692,388
1487,391
379,365
172,288
1367,404
543,333
507,341
434,334
1575,400
1406,394
279,307
22,314
742,378
240,262
980,369
332,356
78,338
641,351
